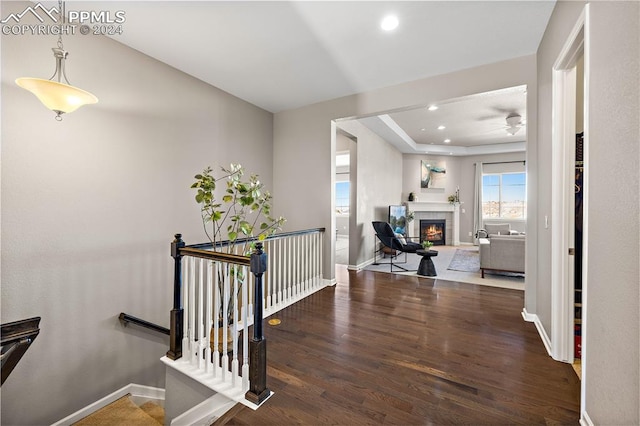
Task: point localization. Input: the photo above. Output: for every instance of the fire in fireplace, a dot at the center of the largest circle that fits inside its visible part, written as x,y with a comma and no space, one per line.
433,230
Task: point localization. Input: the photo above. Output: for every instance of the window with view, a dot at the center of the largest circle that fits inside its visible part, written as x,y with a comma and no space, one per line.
504,196
342,197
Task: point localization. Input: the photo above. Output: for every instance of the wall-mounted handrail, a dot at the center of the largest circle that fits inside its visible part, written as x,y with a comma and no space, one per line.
15,338
126,319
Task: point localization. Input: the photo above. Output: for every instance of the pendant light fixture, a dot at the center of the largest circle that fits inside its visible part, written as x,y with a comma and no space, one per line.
57,96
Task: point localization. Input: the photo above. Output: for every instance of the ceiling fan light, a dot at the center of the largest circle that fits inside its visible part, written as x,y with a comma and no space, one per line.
58,97
513,120
513,130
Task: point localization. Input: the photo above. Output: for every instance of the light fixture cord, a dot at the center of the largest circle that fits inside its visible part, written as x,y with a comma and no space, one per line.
59,53
62,17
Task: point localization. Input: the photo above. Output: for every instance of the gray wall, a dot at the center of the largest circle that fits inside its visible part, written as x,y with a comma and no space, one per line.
611,344
90,205
303,142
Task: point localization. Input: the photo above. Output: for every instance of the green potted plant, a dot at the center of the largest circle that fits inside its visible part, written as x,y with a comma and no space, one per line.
427,245
242,213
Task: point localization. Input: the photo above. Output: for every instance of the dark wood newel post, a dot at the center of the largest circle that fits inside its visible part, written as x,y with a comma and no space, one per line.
258,390
177,314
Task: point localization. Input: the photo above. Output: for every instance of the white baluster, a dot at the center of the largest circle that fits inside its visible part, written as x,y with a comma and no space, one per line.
192,316
201,320
316,246
307,254
216,317
321,255
208,321
312,260
245,331
268,278
234,363
300,263
225,324
280,278
287,266
185,307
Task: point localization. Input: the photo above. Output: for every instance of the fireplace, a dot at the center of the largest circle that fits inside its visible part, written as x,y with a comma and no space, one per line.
433,230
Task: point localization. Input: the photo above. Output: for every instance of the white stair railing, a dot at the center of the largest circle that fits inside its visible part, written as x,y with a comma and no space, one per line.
295,269
215,305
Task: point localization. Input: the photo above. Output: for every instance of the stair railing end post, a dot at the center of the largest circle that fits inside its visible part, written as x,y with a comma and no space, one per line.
177,313
258,390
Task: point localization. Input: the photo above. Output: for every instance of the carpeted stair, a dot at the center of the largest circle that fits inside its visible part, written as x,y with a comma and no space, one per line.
125,412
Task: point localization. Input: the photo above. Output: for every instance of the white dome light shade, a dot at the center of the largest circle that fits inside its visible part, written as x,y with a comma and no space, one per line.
389,23
58,97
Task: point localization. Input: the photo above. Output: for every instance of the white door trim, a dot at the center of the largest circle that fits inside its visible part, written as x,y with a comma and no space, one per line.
563,162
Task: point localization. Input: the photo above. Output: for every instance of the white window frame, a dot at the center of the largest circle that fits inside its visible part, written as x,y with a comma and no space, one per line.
500,186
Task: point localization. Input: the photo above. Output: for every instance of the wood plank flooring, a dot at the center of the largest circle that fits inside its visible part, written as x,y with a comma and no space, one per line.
381,348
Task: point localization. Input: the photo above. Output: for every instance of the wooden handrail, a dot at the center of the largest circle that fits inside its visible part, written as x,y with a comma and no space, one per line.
215,255
225,243
20,335
126,318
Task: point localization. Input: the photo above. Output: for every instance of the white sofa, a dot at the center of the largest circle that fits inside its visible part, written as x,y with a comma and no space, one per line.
502,253
491,229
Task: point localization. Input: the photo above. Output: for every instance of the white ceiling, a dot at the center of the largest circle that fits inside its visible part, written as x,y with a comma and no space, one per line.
473,125
283,55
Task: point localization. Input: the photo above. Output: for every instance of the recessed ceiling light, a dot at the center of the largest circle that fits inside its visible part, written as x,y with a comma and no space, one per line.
441,127
451,153
389,23
447,140
433,108
423,129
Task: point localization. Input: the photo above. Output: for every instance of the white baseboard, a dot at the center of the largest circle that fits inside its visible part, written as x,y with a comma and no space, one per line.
360,266
131,388
585,420
541,331
330,282
205,413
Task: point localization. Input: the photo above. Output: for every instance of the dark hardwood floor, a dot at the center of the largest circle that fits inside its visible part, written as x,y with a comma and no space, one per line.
381,348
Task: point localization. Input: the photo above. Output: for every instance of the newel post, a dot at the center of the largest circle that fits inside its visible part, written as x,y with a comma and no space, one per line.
177,313
258,390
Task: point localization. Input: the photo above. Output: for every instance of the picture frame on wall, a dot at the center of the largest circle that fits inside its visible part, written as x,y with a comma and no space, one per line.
433,174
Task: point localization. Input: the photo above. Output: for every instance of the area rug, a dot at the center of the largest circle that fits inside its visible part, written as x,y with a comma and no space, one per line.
445,257
465,261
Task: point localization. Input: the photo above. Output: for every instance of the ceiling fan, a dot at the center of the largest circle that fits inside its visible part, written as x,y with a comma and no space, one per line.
514,123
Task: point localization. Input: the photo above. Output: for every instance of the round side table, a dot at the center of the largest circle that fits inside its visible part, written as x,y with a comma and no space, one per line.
427,268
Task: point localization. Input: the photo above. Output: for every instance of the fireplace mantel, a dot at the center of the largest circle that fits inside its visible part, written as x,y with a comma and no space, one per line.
431,206
449,211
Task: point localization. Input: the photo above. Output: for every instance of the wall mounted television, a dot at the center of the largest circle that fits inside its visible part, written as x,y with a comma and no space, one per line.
398,219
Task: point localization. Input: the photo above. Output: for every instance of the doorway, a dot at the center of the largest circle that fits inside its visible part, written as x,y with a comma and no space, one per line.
569,194
344,194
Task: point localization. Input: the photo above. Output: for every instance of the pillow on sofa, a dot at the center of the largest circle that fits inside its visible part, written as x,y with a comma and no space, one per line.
497,228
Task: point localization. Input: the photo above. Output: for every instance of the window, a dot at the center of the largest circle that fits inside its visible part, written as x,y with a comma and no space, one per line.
342,197
504,196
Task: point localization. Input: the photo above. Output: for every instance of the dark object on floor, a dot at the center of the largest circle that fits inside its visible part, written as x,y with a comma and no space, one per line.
389,239
427,268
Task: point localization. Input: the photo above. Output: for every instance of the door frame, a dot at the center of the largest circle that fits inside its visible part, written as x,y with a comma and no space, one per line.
563,169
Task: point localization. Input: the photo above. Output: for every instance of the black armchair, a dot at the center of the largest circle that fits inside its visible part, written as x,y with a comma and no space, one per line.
389,239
